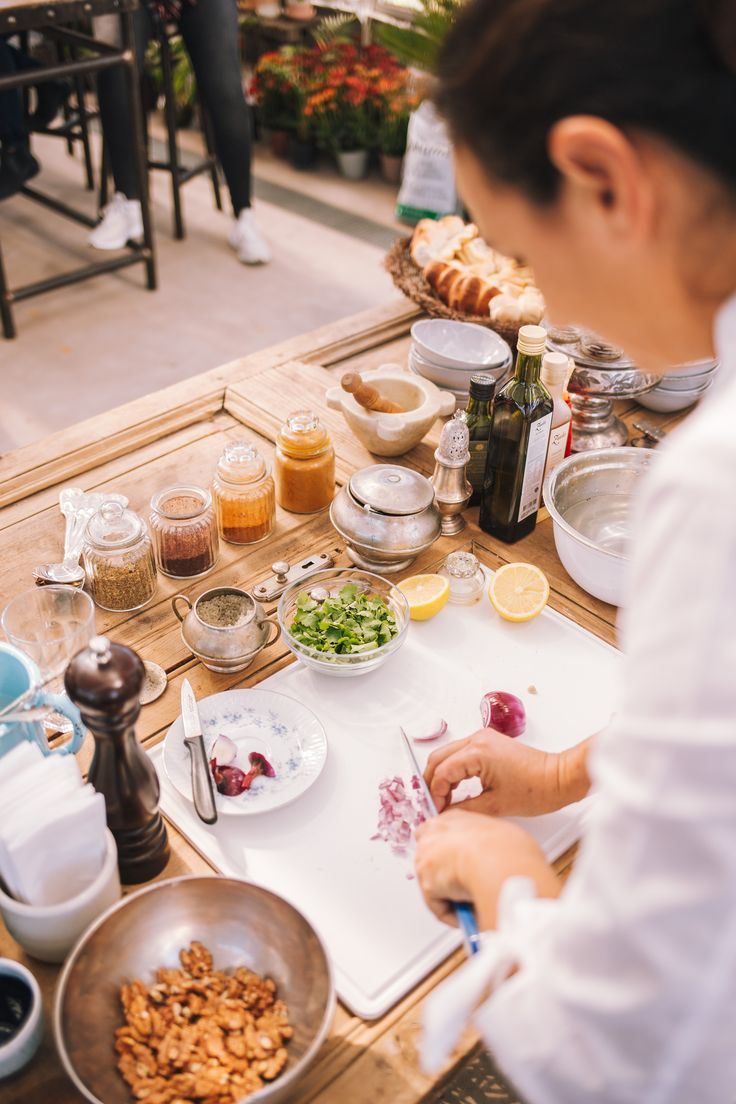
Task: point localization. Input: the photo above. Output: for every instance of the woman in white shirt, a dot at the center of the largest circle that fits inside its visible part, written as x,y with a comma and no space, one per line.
597,140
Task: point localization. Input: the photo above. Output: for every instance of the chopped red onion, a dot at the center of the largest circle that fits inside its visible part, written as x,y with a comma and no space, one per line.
422,732
224,750
229,780
400,812
504,712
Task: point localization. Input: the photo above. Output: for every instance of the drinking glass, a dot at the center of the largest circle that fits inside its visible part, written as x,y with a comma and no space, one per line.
50,624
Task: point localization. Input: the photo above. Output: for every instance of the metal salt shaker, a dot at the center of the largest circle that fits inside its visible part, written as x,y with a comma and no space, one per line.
452,491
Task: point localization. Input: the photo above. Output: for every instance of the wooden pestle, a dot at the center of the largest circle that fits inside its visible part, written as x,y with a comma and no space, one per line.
367,396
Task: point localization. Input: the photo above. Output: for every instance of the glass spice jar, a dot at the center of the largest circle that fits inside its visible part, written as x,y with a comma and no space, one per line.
305,464
465,576
184,531
244,494
118,559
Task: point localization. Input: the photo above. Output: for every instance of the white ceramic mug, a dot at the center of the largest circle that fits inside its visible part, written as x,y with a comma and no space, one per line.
49,932
18,1051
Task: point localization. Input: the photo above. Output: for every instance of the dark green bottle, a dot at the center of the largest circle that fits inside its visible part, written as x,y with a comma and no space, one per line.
517,446
478,421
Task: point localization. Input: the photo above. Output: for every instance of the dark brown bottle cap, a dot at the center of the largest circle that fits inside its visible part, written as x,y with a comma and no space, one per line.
482,387
105,676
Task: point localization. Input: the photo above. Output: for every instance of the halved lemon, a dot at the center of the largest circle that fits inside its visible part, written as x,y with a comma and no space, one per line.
519,591
426,595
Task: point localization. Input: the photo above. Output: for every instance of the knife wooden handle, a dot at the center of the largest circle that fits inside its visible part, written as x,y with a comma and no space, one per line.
203,791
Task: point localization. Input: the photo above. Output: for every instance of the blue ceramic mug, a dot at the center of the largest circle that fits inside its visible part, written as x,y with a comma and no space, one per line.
18,673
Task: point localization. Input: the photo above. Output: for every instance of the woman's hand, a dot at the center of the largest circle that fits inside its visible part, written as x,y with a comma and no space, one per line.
517,780
464,857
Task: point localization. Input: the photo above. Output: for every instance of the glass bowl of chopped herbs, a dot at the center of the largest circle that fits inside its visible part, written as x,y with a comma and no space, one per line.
343,621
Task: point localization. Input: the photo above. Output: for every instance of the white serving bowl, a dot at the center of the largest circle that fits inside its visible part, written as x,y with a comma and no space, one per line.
451,344
454,379
685,383
589,497
669,402
694,369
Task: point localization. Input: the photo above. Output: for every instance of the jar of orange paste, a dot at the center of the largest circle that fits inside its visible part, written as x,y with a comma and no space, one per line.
304,467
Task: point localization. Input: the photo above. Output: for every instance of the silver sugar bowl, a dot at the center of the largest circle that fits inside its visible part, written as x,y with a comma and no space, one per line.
225,628
387,516
602,373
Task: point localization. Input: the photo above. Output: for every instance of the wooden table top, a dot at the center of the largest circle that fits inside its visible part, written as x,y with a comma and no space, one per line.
146,445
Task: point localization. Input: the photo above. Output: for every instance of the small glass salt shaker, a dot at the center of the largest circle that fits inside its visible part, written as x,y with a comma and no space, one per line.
465,576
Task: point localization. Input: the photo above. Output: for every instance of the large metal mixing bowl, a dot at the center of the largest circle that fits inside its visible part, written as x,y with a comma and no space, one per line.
241,924
602,373
589,498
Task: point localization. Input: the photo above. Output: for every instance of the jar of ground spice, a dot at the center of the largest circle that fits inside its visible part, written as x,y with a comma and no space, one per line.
184,531
305,464
118,559
244,495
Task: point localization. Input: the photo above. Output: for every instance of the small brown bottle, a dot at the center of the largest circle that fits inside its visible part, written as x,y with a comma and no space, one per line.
104,681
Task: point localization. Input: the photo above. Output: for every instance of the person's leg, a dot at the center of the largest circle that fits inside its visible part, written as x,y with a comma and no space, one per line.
122,219
12,130
210,32
17,164
113,103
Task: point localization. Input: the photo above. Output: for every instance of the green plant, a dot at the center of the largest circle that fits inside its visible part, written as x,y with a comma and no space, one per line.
341,27
419,43
182,74
392,132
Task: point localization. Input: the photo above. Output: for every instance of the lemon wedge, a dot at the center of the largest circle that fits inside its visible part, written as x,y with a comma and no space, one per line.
518,591
426,595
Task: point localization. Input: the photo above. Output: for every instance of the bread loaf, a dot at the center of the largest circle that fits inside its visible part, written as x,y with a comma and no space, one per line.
471,277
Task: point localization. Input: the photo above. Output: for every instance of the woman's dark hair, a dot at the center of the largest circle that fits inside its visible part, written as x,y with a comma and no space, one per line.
509,69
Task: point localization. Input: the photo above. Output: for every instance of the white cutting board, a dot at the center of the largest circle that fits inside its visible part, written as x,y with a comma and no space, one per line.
318,853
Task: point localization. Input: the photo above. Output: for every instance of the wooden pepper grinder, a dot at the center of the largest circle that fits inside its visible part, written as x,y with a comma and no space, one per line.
104,681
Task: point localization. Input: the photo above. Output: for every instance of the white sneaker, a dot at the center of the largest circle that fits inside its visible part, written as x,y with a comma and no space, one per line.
245,237
122,221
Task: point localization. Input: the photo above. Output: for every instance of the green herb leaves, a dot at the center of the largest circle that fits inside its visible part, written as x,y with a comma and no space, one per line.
343,623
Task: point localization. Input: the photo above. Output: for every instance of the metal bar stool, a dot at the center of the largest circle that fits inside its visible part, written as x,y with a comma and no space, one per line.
77,115
179,173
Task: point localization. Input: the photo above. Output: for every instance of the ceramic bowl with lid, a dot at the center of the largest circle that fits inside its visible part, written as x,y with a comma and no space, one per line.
387,516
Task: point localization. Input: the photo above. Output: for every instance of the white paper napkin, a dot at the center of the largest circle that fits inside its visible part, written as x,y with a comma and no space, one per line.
52,829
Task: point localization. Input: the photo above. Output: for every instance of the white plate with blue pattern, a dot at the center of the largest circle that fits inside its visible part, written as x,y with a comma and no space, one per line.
281,728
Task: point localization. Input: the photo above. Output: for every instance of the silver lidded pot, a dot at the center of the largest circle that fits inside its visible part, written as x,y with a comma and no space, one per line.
387,516
225,628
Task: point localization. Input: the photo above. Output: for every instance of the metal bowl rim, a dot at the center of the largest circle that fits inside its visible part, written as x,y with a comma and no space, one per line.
288,1077
644,459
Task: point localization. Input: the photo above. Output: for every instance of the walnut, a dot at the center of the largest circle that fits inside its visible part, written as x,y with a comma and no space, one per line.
199,1035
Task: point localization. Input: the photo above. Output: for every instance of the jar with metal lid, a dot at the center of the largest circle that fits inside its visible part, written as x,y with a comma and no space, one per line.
386,515
244,495
184,531
465,576
118,559
304,465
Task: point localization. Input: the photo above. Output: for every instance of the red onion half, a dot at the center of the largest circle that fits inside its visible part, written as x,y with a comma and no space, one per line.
504,712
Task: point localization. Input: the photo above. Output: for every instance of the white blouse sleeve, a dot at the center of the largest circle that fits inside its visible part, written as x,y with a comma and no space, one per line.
626,994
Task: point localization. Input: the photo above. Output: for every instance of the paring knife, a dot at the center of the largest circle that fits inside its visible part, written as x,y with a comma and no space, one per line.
463,910
203,790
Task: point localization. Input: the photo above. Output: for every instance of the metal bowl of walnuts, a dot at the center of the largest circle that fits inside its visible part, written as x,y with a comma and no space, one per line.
192,988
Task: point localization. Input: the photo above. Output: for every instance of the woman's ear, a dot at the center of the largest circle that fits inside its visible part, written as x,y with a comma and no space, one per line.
606,170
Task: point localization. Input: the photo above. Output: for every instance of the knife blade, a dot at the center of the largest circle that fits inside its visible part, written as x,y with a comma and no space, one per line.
203,790
463,909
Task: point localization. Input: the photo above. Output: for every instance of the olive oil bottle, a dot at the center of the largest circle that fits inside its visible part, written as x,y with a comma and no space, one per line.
478,421
517,446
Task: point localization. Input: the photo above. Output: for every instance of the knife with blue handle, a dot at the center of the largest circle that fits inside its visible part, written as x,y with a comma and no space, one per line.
463,910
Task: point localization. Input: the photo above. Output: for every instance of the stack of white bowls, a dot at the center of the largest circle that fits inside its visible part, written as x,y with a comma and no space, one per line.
680,388
448,353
